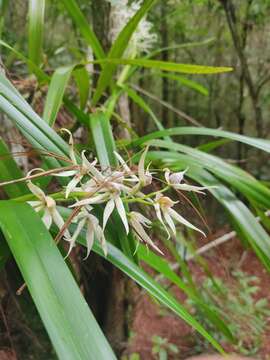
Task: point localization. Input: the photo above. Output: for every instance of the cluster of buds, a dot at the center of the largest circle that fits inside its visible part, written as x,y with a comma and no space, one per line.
114,189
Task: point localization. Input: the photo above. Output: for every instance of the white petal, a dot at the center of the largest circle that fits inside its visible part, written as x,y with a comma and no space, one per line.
59,222
47,218
108,211
122,212
198,189
141,164
141,218
93,171
37,205
159,216
89,238
169,221
72,184
167,175
91,200
67,173
75,235
183,221
36,190
71,146
125,166
100,236
143,236
176,178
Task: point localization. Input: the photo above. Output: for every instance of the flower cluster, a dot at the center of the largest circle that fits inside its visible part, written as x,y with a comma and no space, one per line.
89,185
143,39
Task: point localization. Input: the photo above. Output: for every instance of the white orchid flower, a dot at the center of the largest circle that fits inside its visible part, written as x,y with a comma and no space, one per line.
48,205
88,220
108,188
175,180
138,222
163,206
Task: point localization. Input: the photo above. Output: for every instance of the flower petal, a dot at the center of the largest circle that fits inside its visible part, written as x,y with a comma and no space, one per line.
71,146
91,200
101,238
59,222
67,173
177,178
47,218
75,235
108,211
91,168
159,216
141,218
183,221
125,166
122,212
143,236
36,190
169,221
36,205
197,189
89,237
72,185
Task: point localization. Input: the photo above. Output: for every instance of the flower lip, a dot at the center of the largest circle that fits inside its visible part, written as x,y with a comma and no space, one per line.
165,201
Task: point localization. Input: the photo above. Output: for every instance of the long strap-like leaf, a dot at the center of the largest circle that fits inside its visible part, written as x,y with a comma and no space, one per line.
258,143
71,326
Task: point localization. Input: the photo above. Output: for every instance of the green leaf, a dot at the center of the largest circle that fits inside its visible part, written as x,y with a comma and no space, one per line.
185,81
111,64
83,25
56,92
70,324
82,78
212,145
35,30
21,113
118,48
258,143
103,139
9,170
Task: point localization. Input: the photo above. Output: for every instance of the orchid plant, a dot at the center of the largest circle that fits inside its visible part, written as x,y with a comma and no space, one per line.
113,188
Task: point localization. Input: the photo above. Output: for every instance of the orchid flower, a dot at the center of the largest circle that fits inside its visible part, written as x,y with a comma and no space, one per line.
175,180
48,205
163,206
106,189
138,222
85,218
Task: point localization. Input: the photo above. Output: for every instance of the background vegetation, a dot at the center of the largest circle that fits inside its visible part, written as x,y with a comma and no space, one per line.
66,65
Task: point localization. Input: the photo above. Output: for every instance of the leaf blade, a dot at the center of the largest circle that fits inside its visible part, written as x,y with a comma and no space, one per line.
52,286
